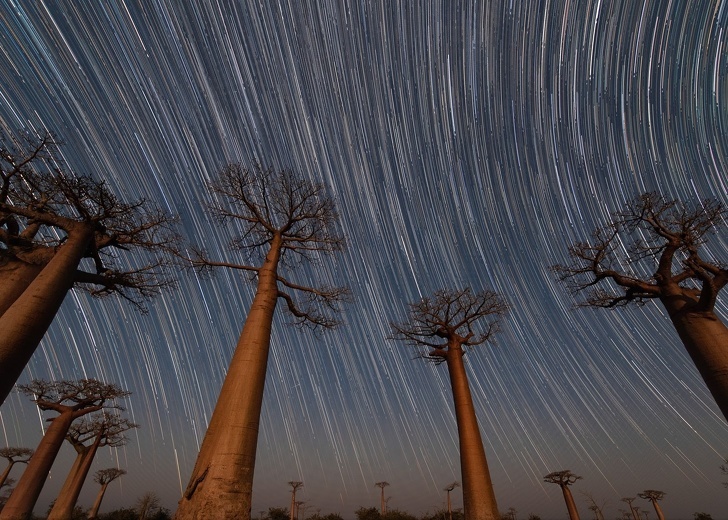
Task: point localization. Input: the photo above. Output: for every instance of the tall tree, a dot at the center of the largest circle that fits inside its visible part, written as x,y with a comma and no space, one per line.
86,437
632,509
564,479
383,504
449,324
103,477
70,400
653,249
448,489
13,456
295,484
284,219
654,496
147,504
58,231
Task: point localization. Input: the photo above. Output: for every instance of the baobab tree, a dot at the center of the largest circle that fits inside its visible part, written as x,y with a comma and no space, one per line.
448,489
448,324
103,477
86,437
383,504
13,456
295,484
564,479
285,219
632,509
59,231
654,496
653,249
70,400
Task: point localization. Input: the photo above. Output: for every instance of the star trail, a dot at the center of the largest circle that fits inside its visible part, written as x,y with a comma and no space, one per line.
466,143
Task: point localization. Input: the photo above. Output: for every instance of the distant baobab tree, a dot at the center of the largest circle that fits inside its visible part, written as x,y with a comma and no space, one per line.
284,219
653,250
448,489
633,510
448,324
564,479
654,496
383,504
103,477
59,231
70,400
724,470
86,437
295,484
13,456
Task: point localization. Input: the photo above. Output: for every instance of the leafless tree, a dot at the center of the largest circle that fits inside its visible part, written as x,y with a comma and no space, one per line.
70,400
448,324
632,509
597,508
86,437
448,489
564,479
103,477
724,470
147,504
284,219
59,231
654,250
295,484
654,496
13,456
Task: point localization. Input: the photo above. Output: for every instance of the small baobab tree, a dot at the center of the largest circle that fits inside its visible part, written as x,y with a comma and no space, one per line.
448,489
147,505
86,437
70,400
654,496
564,479
59,231
295,484
382,503
13,456
104,477
632,509
653,249
285,219
448,324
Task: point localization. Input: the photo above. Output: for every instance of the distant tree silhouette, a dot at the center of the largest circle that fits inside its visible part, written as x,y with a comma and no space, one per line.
278,513
86,437
724,470
104,477
284,219
652,250
448,324
594,506
448,489
629,500
70,400
654,496
13,456
58,231
368,513
147,505
564,479
702,516
295,484
383,503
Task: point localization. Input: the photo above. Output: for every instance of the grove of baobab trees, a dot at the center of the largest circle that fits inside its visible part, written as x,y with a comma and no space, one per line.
284,219
59,231
653,249
449,324
70,400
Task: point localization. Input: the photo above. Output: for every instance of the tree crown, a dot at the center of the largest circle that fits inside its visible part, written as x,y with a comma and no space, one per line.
562,478
80,397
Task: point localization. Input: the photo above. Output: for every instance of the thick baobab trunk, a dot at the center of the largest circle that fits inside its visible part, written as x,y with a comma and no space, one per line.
478,497
21,502
26,321
658,510
16,277
68,496
570,505
222,479
706,339
94,511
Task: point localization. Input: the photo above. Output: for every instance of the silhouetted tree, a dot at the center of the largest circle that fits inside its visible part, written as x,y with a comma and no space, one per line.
702,516
87,437
104,477
594,506
368,513
448,324
564,479
13,456
147,505
58,231
654,496
285,219
295,484
382,503
724,471
70,400
448,489
651,250
278,513
632,509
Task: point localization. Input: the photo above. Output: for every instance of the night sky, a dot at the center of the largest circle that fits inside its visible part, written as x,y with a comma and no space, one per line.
467,143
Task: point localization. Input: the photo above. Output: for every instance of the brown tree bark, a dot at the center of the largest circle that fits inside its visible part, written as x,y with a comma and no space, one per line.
658,510
570,504
16,277
479,501
94,511
26,321
68,496
222,479
21,502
